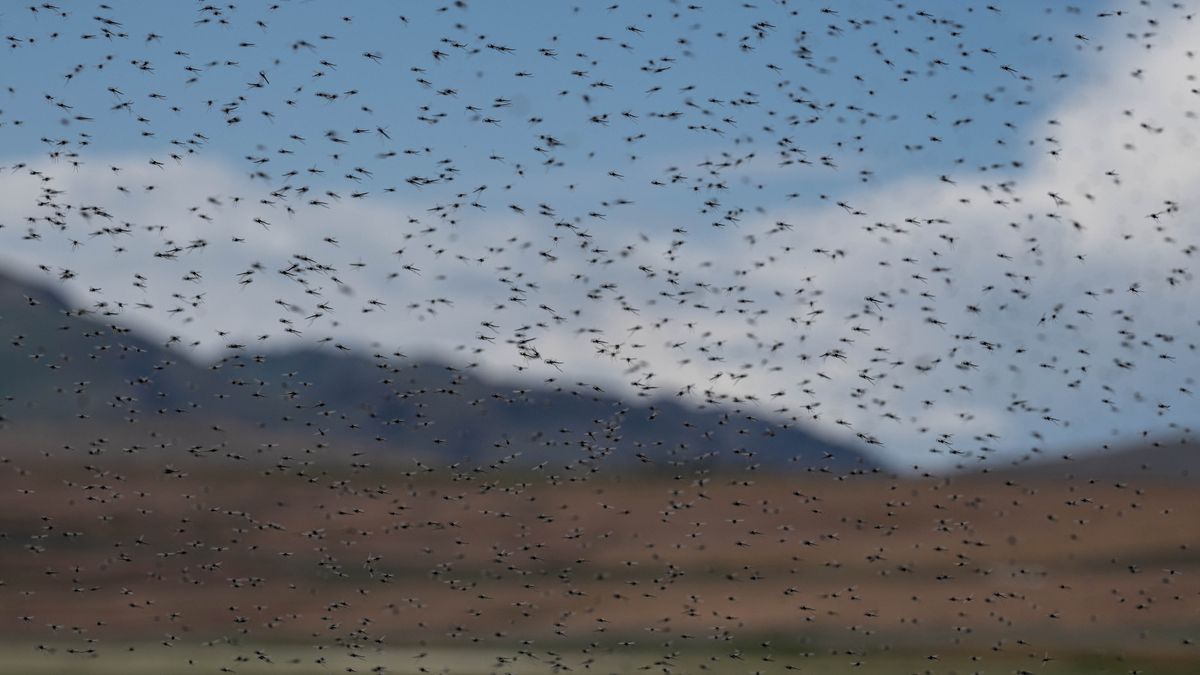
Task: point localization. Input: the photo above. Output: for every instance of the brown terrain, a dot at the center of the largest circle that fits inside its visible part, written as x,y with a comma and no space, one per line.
1002,561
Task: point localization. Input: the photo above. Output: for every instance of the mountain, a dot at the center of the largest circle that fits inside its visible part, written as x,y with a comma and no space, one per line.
1153,461
79,377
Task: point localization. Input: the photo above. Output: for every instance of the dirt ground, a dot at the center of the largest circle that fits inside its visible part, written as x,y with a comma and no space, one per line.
969,565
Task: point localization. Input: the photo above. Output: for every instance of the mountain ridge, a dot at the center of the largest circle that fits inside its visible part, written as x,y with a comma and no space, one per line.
68,364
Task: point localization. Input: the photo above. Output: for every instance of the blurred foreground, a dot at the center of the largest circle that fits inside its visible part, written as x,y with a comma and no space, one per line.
195,568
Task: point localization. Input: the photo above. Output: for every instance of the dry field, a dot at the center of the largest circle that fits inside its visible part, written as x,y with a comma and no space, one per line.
1036,573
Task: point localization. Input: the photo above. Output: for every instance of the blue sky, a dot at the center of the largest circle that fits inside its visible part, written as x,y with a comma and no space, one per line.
927,137
389,87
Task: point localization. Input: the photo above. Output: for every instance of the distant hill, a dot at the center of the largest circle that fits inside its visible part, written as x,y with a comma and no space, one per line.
73,377
1176,460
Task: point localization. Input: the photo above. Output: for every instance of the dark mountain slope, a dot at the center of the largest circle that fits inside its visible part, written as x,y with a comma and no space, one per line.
81,375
